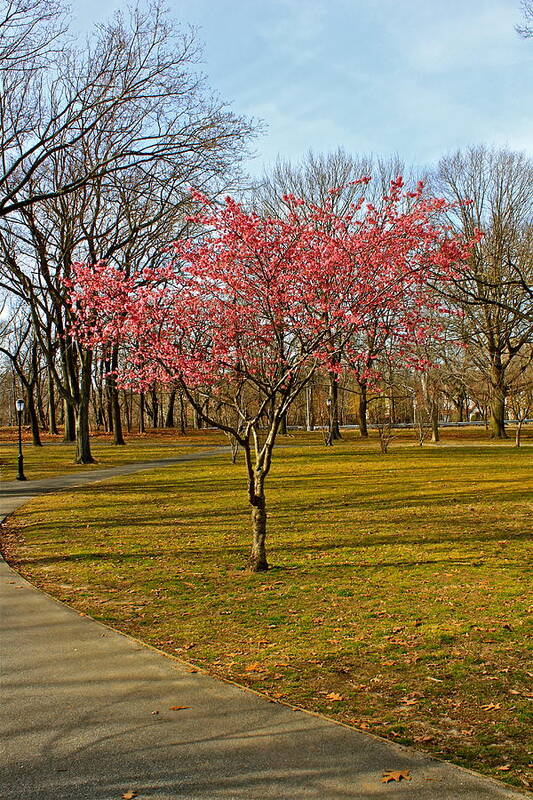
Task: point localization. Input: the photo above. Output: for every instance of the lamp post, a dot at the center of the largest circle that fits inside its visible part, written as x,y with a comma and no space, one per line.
19,405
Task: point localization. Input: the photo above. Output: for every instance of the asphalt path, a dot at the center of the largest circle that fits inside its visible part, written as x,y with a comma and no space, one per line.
90,714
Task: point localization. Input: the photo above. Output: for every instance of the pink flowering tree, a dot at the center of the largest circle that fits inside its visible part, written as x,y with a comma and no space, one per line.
244,313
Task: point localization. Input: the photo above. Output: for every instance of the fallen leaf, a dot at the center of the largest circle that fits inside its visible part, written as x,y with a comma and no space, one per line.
334,696
129,795
396,775
424,739
491,707
253,667
411,701
504,768
178,708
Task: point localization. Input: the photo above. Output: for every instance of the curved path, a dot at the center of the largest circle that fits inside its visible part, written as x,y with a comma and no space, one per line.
86,716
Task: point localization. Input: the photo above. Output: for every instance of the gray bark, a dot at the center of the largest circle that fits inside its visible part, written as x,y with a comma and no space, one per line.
258,559
83,444
309,420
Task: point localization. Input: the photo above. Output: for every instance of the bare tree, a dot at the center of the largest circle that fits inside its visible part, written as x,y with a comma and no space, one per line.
521,403
161,133
131,99
493,290
17,344
31,34
526,29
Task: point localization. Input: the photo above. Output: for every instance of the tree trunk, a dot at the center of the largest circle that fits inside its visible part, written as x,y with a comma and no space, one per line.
497,403
458,404
518,434
183,415
52,418
362,410
118,435
128,409
258,559
108,416
70,422
169,419
283,425
334,408
435,434
309,421
198,421
142,426
32,414
83,444
497,418
42,415
154,408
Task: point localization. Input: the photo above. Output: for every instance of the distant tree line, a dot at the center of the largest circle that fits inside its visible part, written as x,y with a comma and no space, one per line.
100,148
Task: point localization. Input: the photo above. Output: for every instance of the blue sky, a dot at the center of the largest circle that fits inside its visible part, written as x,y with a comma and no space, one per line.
412,77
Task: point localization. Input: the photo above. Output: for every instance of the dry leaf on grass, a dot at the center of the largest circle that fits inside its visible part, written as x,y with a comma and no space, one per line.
129,795
334,696
396,775
178,708
504,768
491,707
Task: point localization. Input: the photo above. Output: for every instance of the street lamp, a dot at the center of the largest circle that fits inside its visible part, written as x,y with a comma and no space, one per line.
19,405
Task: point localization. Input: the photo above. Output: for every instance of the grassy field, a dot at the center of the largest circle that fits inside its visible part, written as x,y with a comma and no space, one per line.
56,457
398,596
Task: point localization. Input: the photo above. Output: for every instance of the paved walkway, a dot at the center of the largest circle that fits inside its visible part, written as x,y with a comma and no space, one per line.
86,716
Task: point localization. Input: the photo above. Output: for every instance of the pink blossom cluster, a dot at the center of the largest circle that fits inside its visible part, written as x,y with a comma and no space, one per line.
256,298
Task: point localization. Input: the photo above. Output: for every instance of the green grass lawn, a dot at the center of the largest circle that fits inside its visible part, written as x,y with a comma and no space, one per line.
397,601
56,457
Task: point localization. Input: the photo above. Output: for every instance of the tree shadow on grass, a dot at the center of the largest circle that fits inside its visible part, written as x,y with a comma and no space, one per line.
239,553
119,558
